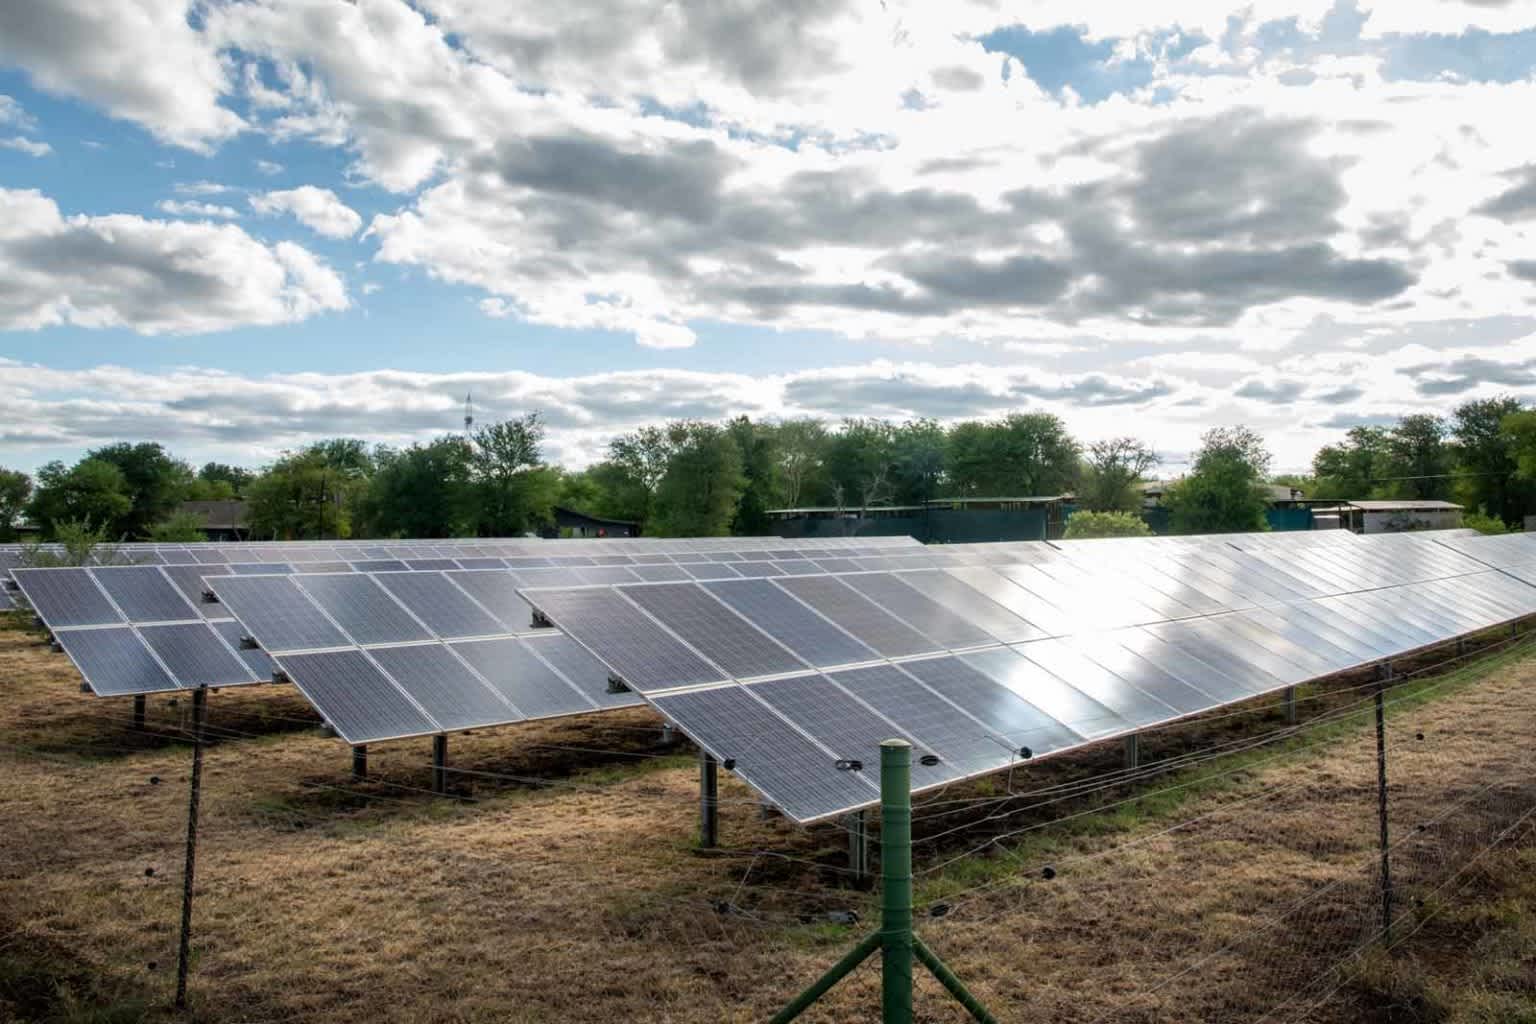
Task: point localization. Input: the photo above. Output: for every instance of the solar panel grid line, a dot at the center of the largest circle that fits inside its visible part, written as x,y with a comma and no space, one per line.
116,661
951,631
715,629
309,609
452,707
795,624
886,634
329,680
533,647
67,597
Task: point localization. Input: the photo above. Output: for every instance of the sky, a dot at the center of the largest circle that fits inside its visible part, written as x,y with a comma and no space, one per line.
237,226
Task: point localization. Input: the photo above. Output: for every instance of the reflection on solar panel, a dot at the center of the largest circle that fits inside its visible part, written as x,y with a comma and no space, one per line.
362,608
713,630
629,642
446,610
871,624
793,624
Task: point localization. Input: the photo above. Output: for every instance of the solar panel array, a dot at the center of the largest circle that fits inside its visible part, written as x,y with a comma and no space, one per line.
984,665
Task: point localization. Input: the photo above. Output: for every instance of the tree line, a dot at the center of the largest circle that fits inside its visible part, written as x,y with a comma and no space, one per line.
696,478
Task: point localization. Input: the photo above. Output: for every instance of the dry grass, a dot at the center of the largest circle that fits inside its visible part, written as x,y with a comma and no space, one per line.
320,899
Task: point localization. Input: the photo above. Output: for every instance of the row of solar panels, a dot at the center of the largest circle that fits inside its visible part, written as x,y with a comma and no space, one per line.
824,622
527,553
977,708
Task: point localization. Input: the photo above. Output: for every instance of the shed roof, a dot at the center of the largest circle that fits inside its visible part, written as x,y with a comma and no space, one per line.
1403,506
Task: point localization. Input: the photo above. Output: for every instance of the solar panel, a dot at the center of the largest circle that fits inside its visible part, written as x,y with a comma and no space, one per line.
629,641
196,656
871,624
362,608
713,630
965,601
258,661
929,617
791,623
355,698
497,593
277,613
143,594
66,597
767,752
445,687
1004,712
581,670
443,607
114,661
961,740
513,669
1071,707
843,724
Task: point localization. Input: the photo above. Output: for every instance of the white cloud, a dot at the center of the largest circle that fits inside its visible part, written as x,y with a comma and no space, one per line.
269,167
193,208
139,60
151,276
201,188
27,146
11,113
318,209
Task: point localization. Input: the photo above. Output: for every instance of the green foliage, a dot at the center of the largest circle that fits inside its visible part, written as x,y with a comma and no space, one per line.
1110,473
154,482
1106,524
1483,523
858,461
82,543
698,493
760,472
310,494
514,492
210,490
91,492
1519,430
800,447
422,491
1307,485
234,477
1421,457
1024,454
178,528
1487,459
15,489
1224,490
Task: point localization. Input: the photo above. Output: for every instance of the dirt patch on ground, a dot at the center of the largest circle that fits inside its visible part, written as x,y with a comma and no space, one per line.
561,884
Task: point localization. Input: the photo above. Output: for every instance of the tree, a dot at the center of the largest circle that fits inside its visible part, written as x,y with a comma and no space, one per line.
801,447
422,491
1024,454
1351,469
15,489
918,448
179,528
92,493
154,482
858,460
698,494
1420,459
1476,520
760,476
1110,473
1488,470
514,491
1224,490
310,494
235,477
1519,430
1105,524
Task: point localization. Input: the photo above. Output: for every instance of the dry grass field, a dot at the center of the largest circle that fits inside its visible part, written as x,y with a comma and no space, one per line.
1219,892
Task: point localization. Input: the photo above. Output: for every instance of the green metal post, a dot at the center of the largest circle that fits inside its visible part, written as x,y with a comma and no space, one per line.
940,970
803,1001
896,882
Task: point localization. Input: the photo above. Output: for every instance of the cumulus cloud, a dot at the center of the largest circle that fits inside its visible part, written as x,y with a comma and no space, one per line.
139,60
154,277
318,209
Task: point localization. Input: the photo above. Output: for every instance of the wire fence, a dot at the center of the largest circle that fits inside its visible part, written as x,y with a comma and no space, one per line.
1235,874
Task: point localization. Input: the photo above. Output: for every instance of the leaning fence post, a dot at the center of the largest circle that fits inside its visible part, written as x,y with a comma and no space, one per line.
199,702
1381,801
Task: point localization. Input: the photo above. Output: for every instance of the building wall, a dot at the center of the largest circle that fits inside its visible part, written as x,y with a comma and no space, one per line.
1399,522
939,526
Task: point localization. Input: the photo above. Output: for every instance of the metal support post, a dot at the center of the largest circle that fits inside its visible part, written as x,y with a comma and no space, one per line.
183,960
894,939
139,703
1289,698
1381,805
896,882
440,763
1461,646
709,801
668,735
1133,751
857,825
359,762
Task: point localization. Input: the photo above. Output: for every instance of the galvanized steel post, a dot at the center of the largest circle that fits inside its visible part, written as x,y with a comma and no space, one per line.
183,959
1133,751
857,825
138,712
709,801
896,882
1381,803
1289,695
360,762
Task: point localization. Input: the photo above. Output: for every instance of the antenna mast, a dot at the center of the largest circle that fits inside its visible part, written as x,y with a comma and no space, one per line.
469,413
